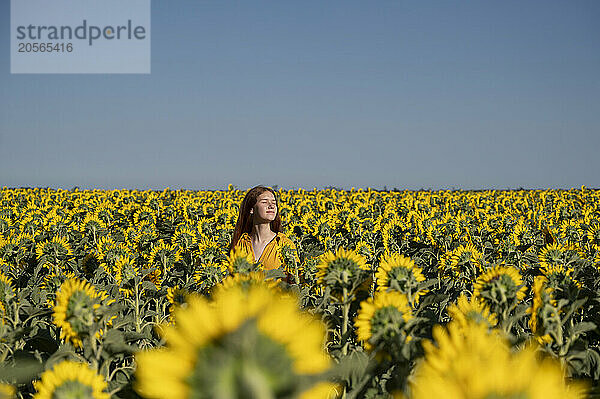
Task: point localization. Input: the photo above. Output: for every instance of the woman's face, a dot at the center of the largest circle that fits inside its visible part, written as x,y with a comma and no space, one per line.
265,209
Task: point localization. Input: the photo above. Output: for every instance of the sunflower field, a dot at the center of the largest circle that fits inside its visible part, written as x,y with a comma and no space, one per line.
386,294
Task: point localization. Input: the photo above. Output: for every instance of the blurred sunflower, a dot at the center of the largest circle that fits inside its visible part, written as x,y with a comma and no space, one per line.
75,310
247,281
240,261
473,310
125,273
543,310
474,363
381,319
236,346
7,292
7,391
70,380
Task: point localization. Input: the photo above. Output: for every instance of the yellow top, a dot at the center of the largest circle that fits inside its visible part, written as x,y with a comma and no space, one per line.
271,255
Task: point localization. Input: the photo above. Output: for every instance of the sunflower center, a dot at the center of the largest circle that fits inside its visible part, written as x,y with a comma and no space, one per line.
243,364
80,312
500,289
73,390
516,395
342,271
399,278
477,317
386,323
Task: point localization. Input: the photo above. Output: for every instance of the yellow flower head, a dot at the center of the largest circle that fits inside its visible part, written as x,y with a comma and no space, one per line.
7,391
57,248
246,281
473,363
542,298
240,261
75,310
254,342
500,284
467,311
381,319
71,380
340,269
397,272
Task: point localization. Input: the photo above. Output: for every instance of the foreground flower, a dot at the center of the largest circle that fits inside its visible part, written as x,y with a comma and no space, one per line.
249,341
381,319
71,380
75,310
240,261
246,281
7,391
473,363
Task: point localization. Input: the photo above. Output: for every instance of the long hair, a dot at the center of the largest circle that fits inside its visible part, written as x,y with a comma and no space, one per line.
244,221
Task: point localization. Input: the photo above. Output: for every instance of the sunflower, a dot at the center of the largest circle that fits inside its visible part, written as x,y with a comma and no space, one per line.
185,238
247,280
125,273
240,261
7,292
474,362
7,391
543,305
207,275
593,234
465,259
75,310
397,272
92,226
71,380
236,345
552,254
392,233
363,248
51,283
341,271
176,295
54,250
381,319
164,255
501,288
466,311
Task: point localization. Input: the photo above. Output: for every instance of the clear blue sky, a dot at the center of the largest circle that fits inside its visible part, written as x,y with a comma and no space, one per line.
407,94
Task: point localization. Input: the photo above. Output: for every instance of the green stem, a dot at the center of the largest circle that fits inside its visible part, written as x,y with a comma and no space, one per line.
137,307
346,311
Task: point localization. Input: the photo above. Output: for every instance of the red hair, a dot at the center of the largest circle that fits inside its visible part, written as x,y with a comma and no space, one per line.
244,221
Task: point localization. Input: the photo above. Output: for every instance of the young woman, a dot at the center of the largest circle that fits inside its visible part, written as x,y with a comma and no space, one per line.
258,228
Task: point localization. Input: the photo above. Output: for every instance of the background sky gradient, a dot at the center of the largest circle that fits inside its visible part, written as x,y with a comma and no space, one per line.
408,95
